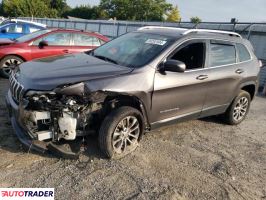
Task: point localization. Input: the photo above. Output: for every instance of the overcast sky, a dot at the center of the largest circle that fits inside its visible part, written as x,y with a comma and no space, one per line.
212,10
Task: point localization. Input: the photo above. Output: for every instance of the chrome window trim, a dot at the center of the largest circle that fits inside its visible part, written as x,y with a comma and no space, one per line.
218,66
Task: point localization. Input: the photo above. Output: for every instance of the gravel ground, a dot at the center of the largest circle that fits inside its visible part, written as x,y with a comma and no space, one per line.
199,159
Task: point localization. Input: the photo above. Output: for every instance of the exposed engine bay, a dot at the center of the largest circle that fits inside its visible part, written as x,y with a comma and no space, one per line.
57,116
64,114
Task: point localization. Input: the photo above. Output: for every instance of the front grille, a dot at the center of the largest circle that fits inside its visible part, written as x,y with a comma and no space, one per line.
17,90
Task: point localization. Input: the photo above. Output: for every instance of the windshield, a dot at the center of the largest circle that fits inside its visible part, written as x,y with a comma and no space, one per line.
133,49
31,36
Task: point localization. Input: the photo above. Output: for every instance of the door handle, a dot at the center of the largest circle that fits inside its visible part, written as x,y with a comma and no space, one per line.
66,51
202,77
239,71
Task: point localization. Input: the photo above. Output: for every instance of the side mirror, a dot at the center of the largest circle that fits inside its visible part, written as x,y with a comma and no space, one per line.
4,31
43,44
174,66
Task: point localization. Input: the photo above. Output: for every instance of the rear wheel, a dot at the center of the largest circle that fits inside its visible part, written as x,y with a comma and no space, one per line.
239,108
6,64
120,132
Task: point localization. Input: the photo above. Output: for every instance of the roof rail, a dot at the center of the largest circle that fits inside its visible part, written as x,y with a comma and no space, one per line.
162,27
187,31
212,31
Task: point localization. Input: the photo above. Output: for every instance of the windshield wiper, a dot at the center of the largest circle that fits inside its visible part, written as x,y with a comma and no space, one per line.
106,59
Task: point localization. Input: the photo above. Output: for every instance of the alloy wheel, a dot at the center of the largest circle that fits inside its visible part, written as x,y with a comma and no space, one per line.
6,68
126,134
240,109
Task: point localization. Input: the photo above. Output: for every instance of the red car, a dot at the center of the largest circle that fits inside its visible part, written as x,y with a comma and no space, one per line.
45,43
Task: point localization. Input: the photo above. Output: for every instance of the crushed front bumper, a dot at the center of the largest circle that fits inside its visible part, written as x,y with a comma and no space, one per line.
13,110
26,140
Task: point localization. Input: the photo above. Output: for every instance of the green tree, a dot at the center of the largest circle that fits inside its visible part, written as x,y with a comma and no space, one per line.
174,15
195,20
59,5
1,9
148,10
86,12
27,8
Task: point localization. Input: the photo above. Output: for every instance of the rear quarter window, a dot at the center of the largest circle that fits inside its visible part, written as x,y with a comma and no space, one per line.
243,53
85,40
222,54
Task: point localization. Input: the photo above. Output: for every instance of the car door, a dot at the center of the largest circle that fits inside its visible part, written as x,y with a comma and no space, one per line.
84,42
224,76
59,43
180,95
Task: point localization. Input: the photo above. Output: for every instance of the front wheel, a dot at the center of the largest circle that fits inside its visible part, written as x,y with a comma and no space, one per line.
239,109
120,132
6,64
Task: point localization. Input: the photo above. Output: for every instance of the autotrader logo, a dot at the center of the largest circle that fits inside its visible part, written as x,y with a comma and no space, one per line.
27,193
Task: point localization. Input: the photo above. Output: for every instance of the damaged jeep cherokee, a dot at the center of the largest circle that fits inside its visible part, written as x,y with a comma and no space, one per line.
133,84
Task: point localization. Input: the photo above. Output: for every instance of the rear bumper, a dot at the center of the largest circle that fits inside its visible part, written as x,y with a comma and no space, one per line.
13,110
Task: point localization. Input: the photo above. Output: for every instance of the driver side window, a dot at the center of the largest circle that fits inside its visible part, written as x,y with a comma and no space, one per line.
192,54
55,39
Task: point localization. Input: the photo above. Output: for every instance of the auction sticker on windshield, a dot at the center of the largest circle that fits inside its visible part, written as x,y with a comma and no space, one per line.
157,42
27,193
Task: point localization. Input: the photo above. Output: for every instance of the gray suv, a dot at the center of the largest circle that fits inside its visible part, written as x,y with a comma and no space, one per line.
131,85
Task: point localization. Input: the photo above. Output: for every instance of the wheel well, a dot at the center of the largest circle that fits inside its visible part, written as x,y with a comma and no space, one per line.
14,55
112,103
119,101
250,89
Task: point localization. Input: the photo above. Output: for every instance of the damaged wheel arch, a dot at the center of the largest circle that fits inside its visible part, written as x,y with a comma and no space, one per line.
117,100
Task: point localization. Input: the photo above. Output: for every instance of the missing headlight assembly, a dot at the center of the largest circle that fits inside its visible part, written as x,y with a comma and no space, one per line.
65,114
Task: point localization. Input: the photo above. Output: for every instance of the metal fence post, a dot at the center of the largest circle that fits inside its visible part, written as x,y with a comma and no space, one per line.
117,30
126,27
99,28
86,26
234,27
249,31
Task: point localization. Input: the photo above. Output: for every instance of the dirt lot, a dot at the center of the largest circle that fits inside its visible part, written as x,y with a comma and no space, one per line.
200,159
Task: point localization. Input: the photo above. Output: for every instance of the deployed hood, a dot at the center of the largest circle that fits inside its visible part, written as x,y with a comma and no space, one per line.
6,41
49,73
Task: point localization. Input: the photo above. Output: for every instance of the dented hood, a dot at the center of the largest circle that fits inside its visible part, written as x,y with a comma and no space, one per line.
49,73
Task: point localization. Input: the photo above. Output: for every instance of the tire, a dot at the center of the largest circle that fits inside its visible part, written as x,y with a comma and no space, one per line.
5,64
243,99
114,140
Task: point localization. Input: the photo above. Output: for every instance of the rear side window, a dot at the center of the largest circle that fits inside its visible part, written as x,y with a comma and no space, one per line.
85,40
222,54
243,53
